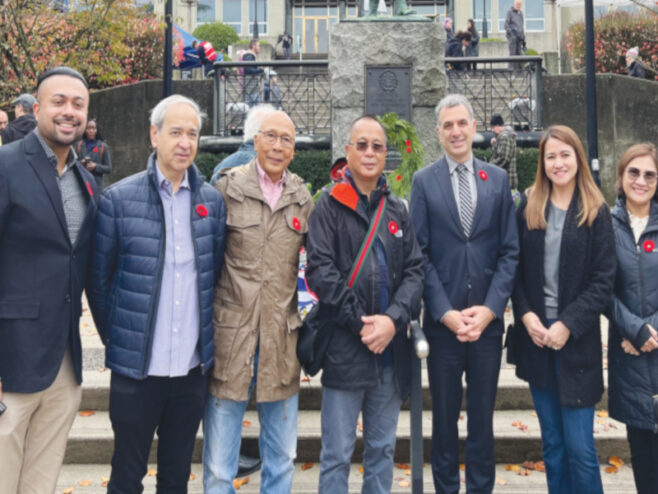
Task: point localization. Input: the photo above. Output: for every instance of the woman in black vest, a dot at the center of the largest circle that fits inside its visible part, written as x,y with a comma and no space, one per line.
633,341
564,282
94,153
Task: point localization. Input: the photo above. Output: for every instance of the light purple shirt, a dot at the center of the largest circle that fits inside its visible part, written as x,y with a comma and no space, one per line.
176,332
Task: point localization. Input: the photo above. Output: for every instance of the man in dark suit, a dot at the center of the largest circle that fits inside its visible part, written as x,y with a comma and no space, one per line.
463,215
47,216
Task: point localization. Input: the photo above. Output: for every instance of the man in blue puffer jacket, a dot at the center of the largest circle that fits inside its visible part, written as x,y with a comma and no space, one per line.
158,250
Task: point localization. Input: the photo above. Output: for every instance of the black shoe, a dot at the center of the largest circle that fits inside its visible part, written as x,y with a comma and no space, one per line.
247,465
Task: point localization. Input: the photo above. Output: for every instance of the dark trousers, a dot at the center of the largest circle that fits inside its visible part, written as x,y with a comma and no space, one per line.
170,406
644,457
447,362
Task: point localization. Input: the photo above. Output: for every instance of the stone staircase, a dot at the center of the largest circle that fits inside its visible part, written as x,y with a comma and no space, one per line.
515,424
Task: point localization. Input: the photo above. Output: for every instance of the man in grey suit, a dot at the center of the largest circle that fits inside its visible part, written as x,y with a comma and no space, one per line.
463,215
515,32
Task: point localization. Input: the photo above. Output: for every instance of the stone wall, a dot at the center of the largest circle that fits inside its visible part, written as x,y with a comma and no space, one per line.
123,118
626,110
355,45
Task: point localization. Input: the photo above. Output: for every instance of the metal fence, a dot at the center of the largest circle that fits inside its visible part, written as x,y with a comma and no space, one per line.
302,89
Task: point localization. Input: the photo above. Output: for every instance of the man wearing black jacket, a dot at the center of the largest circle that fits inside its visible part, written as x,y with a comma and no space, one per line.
366,368
24,122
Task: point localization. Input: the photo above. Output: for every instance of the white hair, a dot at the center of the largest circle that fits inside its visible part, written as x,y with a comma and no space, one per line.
254,119
158,113
451,101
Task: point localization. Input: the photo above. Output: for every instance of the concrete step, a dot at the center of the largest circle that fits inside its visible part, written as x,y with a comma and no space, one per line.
91,438
306,481
513,393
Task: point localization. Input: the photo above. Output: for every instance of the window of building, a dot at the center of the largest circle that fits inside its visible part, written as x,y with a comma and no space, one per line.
258,7
534,15
503,8
478,13
205,11
232,14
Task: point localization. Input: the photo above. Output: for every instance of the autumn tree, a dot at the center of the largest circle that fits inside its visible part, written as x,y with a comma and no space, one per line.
111,42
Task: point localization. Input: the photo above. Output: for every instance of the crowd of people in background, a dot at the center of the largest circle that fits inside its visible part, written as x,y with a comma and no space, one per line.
193,289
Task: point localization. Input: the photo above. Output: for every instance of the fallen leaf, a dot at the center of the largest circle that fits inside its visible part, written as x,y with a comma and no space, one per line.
461,417
462,467
68,490
361,469
87,413
540,466
237,483
513,468
615,461
85,483
104,481
529,465
306,379
151,472
534,414
306,466
359,425
246,423
600,421
85,325
517,423
611,469
501,481
612,425
404,483
102,369
524,473
191,476
603,413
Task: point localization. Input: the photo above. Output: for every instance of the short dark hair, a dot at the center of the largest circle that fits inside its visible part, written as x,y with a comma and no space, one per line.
496,120
61,70
366,117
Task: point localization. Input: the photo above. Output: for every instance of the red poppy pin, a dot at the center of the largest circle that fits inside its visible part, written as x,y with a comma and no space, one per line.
398,177
393,227
95,150
649,245
201,210
296,224
89,189
483,175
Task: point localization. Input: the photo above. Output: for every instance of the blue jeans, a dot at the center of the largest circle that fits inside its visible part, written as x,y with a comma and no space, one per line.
380,407
222,427
572,466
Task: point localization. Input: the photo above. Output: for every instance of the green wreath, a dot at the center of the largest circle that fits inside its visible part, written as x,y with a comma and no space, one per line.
402,135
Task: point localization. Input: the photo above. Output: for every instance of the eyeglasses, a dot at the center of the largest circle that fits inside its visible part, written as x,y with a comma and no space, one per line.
634,174
271,138
361,146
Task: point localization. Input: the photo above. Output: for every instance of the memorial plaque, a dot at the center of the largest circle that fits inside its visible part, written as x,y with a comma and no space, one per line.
388,89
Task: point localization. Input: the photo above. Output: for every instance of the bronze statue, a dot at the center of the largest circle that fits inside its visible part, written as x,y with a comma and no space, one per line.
400,8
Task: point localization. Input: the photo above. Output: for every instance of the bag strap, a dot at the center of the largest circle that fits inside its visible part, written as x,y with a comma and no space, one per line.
362,255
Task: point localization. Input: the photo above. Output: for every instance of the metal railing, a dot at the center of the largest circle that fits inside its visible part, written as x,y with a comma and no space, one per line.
495,89
302,89
420,351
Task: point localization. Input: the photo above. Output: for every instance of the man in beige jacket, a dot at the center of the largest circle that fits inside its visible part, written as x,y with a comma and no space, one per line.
256,318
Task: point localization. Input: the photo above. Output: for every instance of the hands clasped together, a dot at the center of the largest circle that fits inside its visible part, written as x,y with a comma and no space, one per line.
649,346
469,323
554,337
377,332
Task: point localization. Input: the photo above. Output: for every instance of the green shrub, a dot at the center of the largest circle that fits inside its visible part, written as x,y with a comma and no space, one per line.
206,162
616,33
313,165
220,35
526,164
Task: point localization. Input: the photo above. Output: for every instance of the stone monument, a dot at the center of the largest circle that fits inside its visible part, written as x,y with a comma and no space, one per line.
387,64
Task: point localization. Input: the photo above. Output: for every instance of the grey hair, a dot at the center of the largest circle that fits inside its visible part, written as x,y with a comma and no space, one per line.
451,101
254,119
158,113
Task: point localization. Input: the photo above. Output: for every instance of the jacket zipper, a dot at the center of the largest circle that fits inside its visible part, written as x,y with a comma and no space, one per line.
198,278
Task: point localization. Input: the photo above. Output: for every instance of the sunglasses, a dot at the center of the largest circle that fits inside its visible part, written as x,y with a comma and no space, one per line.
361,146
649,176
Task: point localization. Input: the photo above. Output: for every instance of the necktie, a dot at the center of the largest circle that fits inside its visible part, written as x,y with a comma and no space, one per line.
465,199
